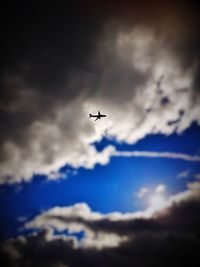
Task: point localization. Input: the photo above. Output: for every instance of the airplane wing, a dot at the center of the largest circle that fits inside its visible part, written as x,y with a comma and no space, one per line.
96,119
99,113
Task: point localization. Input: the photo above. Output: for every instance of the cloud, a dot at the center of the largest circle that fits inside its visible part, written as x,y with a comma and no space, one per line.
80,217
197,176
183,174
123,239
56,175
152,154
142,192
138,67
160,188
76,159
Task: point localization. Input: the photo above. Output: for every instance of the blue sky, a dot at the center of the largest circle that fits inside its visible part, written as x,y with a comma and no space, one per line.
113,187
123,190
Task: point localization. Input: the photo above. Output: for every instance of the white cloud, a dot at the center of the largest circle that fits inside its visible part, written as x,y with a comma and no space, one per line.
130,63
74,219
183,174
80,217
102,240
152,154
157,202
142,192
160,188
118,234
56,175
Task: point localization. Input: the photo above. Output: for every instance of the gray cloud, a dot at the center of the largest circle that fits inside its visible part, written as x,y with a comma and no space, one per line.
125,61
80,217
169,236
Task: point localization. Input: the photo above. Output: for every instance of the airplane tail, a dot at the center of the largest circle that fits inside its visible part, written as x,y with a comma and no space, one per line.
90,115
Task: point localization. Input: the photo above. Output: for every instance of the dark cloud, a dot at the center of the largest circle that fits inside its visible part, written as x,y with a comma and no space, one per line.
171,237
44,45
61,59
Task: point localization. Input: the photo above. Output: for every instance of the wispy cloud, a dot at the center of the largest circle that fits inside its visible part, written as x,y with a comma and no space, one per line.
183,174
152,154
116,236
142,192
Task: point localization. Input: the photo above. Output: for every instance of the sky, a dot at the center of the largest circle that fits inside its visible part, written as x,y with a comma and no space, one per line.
120,191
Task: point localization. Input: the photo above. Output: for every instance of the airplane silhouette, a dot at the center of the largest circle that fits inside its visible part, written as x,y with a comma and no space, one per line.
99,116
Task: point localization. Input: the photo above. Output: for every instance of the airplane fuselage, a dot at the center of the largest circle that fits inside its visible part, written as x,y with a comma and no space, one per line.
98,116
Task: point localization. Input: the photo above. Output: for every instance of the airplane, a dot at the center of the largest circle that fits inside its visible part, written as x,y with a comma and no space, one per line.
99,116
